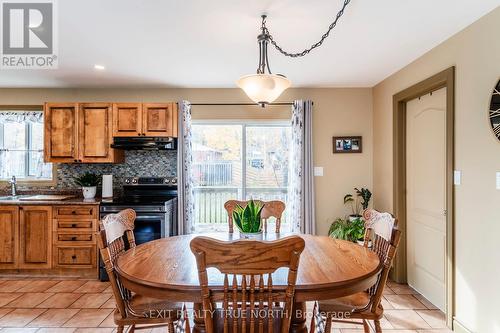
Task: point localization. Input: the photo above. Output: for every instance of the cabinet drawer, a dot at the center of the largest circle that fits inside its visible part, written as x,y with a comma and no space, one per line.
75,256
75,224
75,212
74,238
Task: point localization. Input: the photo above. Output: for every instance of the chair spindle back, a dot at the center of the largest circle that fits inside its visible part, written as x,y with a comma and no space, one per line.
248,288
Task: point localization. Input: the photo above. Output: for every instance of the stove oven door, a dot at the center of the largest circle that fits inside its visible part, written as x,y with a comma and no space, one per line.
148,227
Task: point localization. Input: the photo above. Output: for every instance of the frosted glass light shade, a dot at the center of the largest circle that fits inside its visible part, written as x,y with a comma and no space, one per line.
263,88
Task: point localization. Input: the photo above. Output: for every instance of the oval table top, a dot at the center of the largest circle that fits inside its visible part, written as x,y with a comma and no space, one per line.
328,268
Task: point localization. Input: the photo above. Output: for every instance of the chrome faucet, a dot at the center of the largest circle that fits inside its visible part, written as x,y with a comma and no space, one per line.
13,183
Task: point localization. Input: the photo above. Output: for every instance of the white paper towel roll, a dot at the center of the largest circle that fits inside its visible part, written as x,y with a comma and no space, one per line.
107,186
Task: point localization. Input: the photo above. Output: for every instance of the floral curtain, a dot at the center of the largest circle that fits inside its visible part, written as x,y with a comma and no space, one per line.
301,178
21,117
184,171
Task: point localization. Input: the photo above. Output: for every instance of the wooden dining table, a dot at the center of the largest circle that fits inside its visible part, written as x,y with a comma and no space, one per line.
329,268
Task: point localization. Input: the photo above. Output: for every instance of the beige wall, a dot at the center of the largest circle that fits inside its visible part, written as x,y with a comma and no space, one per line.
475,52
336,112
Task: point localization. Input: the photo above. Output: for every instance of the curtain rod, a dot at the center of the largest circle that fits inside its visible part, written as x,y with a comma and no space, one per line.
240,104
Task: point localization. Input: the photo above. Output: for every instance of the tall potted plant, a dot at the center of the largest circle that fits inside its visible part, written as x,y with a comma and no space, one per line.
248,220
358,202
88,182
352,231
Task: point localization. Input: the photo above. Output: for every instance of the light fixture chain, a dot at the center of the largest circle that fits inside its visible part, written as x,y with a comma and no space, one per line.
319,43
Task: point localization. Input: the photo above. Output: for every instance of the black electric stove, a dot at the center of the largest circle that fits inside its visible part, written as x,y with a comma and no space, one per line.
155,203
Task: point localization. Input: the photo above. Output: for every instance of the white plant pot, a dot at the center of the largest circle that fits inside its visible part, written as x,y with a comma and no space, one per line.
354,218
251,235
89,192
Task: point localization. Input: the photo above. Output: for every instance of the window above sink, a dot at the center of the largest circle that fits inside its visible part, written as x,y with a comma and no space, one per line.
21,147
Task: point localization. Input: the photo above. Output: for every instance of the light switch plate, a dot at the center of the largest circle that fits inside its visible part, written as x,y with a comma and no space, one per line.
457,177
318,171
498,180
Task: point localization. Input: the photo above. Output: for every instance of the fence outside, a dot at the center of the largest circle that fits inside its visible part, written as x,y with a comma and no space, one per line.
209,201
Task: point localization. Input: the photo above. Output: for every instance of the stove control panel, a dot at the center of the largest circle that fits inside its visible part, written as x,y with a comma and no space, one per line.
172,181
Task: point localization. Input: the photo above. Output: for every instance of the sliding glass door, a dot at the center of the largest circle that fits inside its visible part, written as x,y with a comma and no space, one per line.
237,161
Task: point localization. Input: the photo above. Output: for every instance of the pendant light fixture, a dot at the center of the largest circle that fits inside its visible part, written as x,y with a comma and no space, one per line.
265,87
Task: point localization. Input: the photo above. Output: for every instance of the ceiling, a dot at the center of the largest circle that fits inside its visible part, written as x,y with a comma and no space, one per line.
200,43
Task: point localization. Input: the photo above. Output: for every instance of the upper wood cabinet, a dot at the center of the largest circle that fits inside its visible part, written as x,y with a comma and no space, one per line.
127,119
35,230
151,119
95,134
61,136
9,237
158,119
79,132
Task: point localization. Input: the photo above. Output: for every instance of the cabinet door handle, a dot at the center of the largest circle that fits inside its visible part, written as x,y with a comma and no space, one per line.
73,257
73,238
73,212
73,225
76,160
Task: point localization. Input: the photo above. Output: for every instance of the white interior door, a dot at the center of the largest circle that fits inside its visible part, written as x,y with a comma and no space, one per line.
426,196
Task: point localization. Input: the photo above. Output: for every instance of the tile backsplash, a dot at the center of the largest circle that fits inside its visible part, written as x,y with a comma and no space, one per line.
141,163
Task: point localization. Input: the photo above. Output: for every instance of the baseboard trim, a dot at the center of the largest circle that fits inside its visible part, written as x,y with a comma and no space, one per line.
460,328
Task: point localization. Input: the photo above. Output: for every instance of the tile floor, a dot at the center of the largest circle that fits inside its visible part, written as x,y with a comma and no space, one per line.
79,306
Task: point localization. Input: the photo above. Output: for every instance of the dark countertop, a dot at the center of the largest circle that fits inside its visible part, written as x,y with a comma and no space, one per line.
71,201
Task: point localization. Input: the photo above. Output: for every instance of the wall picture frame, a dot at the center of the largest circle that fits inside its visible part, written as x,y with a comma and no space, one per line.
347,144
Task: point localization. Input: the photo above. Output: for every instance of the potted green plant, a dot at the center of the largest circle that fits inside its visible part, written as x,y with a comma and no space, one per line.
345,229
358,202
248,220
88,182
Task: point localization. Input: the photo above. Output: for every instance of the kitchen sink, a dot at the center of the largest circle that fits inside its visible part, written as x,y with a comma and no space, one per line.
13,197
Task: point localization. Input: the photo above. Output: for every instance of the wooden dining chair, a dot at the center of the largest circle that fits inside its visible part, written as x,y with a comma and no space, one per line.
364,305
133,309
247,296
273,208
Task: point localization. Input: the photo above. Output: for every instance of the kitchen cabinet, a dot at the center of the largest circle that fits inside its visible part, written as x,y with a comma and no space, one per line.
149,119
74,240
55,239
25,237
35,236
95,134
158,120
79,133
127,119
9,236
61,132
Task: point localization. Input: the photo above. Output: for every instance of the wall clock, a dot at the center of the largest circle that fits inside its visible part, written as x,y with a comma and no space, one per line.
495,110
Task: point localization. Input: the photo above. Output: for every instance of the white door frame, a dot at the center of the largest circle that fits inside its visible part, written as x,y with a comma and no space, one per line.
444,79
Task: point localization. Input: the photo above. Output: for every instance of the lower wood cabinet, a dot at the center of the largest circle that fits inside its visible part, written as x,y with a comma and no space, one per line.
35,234
74,240
9,236
25,237
58,238
76,256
